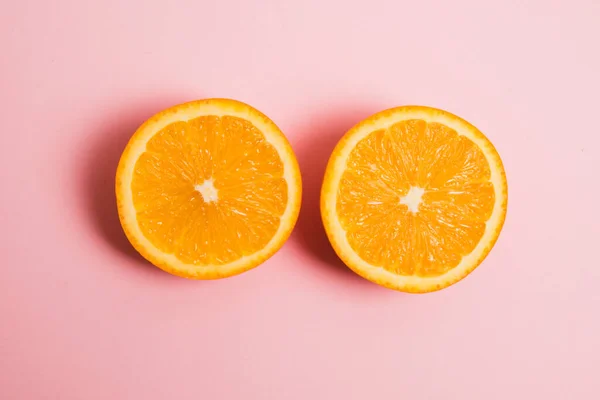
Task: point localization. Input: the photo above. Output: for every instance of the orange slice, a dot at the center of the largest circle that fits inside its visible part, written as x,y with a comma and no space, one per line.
208,189
414,198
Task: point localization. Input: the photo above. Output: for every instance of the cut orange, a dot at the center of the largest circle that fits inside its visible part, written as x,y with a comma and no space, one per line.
208,189
414,198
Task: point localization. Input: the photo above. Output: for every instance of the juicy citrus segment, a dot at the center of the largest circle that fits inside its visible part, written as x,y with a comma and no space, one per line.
208,189
452,174
238,209
413,198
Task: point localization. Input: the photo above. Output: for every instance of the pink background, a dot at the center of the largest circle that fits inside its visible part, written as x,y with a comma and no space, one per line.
83,317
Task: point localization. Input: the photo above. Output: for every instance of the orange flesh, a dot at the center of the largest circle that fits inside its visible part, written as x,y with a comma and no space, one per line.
227,153
450,220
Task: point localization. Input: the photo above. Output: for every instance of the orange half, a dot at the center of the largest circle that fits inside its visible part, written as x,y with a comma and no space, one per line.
414,198
208,189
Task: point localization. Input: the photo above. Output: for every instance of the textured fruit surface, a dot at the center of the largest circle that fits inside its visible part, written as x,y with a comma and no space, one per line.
414,198
208,189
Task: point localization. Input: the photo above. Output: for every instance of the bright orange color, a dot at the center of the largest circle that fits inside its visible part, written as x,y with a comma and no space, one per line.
208,189
414,198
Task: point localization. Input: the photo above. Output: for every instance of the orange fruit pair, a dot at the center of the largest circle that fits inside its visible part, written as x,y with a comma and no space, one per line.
413,198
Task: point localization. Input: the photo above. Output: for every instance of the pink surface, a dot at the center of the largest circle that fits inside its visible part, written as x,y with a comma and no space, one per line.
83,317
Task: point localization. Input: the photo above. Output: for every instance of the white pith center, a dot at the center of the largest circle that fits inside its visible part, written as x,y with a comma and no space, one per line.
208,191
413,198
